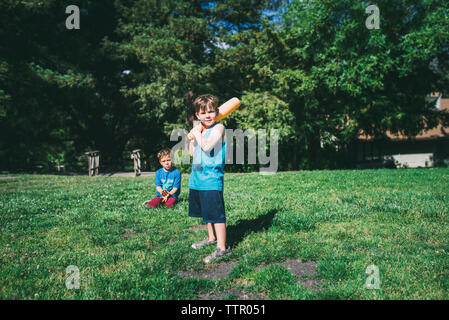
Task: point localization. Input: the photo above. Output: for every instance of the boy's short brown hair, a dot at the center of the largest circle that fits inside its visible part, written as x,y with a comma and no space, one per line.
163,153
204,101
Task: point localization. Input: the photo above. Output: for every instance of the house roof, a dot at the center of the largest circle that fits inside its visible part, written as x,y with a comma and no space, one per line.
435,133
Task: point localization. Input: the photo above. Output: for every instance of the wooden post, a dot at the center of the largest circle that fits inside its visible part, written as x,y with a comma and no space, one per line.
97,162
93,162
88,163
59,165
135,155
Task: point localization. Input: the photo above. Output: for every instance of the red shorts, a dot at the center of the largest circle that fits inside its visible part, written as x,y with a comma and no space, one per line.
158,200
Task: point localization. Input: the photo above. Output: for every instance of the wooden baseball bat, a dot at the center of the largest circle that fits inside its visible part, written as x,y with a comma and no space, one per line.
223,111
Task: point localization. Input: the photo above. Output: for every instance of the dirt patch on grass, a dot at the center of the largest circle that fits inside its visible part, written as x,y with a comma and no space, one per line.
303,271
130,233
311,284
299,268
216,272
198,227
231,293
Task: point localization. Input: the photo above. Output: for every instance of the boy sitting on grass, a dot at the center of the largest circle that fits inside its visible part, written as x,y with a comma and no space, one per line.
208,149
168,182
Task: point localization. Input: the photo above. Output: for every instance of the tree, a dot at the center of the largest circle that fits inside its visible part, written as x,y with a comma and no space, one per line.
340,78
49,77
172,48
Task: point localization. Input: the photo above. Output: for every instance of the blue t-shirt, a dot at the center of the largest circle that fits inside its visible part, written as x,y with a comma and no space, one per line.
208,167
168,180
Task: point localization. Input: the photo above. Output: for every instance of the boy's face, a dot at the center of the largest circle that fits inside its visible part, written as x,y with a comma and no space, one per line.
166,162
207,117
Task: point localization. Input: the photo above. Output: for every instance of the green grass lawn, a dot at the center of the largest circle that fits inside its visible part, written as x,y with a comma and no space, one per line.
343,221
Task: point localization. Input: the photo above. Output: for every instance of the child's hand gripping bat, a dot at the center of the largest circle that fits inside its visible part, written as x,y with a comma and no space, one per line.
223,111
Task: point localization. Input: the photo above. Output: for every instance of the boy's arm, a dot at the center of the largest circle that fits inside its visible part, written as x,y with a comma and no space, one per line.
159,189
209,143
192,147
176,184
157,182
173,191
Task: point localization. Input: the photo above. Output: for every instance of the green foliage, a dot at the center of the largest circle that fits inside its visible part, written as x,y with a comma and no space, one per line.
309,68
49,79
265,111
340,78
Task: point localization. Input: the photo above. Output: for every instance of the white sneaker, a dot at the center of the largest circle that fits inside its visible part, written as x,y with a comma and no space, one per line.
203,243
217,254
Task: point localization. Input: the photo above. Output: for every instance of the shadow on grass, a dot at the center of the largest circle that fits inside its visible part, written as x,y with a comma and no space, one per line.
236,233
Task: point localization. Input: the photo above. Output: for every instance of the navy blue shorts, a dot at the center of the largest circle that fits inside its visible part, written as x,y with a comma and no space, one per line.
207,204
